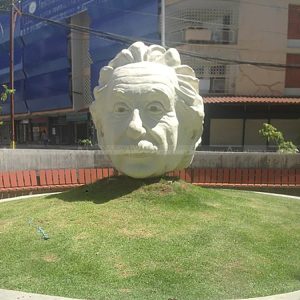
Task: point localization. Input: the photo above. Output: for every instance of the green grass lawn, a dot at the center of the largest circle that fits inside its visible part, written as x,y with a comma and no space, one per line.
137,239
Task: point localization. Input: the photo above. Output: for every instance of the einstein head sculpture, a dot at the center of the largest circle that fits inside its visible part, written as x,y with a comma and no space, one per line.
147,111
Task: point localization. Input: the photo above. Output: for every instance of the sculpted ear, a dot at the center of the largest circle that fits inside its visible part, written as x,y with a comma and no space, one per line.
96,110
190,123
190,113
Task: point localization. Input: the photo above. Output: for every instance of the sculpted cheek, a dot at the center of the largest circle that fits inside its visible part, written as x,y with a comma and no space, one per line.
166,131
170,123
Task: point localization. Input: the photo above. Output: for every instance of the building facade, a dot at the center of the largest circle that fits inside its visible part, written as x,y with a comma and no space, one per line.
239,50
57,64
242,50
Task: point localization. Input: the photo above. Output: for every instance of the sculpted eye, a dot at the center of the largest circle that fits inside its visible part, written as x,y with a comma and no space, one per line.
155,107
121,108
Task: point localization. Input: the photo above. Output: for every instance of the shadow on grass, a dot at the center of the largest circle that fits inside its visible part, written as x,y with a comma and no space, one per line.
105,190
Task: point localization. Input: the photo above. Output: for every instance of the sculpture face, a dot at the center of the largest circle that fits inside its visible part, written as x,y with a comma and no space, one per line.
148,114
140,124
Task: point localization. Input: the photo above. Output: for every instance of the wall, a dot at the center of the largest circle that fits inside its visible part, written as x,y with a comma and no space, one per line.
33,159
252,137
227,132
60,159
246,160
289,128
292,86
262,40
262,36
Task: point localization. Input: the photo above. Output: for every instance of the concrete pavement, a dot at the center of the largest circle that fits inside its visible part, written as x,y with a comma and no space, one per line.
288,296
15,295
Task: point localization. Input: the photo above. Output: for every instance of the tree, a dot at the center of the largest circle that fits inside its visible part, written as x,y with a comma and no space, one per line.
272,134
4,94
5,4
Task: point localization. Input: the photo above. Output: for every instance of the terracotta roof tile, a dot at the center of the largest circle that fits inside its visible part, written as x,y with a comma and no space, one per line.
248,99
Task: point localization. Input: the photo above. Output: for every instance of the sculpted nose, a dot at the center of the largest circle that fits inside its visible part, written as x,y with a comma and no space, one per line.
135,128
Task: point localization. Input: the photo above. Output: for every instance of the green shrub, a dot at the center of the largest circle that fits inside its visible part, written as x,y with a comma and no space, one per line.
85,142
4,94
273,135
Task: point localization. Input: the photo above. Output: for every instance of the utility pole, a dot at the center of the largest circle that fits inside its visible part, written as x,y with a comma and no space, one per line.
163,23
11,75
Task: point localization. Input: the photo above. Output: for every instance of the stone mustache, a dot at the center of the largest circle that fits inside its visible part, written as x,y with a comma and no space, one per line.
147,111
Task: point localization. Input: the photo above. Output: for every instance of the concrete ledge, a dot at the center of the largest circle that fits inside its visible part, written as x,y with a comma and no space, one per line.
37,159
264,160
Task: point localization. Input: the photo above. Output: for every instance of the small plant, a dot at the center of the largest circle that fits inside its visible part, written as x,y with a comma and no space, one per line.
39,230
4,95
273,135
6,92
85,142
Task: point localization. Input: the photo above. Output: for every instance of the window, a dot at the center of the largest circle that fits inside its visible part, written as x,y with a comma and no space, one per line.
227,132
294,22
217,85
292,75
214,78
207,25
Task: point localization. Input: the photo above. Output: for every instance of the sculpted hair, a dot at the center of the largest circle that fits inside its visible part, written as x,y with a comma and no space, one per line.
139,52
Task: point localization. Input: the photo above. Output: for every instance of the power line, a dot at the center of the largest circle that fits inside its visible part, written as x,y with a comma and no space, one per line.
198,21
102,34
128,40
239,62
203,23
221,25
246,2
258,4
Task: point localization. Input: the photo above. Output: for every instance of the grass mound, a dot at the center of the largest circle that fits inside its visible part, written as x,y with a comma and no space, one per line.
151,239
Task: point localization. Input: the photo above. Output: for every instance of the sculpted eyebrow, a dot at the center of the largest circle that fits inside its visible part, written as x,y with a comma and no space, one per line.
118,92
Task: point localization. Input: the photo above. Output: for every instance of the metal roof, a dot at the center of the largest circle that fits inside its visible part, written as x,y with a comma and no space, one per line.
249,99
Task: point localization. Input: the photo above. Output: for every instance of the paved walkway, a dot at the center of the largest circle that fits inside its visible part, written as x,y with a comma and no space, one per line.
25,197
279,195
288,296
14,295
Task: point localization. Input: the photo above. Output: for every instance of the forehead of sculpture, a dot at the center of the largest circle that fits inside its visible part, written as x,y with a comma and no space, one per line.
144,73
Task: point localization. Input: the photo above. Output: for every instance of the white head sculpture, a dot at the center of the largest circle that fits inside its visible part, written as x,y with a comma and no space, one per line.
147,111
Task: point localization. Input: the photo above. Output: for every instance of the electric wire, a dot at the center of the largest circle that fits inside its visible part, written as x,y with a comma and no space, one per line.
174,43
127,40
243,2
169,17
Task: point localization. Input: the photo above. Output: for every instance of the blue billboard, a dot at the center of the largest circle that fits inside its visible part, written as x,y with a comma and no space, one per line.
50,9
42,49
